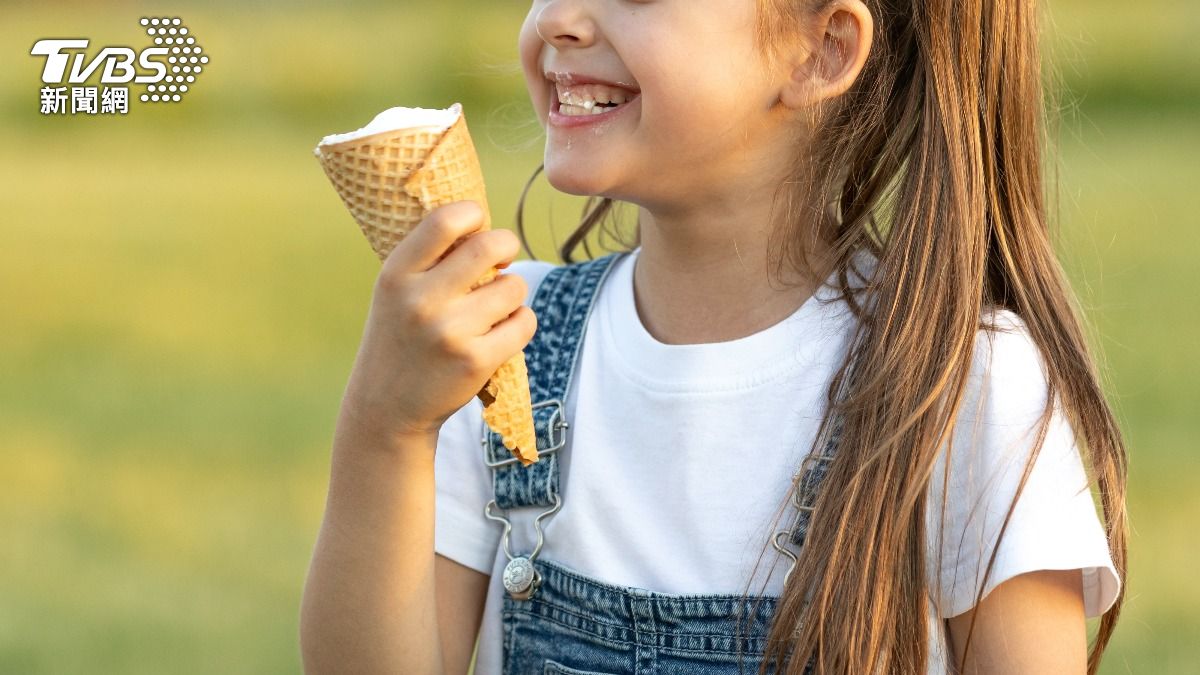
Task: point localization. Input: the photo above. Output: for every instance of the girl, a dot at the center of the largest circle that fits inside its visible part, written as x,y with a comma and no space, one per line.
840,343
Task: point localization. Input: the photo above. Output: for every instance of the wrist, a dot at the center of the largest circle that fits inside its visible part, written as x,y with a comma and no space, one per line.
362,429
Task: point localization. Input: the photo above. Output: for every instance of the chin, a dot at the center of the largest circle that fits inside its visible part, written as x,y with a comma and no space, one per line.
576,180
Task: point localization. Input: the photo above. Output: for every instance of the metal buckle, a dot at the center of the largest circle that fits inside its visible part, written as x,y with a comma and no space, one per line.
779,547
521,578
557,422
806,465
805,468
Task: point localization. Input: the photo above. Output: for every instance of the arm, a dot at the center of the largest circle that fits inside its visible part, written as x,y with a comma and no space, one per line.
1031,623
461,595
432,339
369,600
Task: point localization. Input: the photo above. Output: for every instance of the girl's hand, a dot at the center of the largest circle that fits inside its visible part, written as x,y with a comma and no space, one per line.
430,342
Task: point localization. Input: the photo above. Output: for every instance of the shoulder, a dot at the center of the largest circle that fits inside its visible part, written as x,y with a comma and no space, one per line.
1004,336
981,472
1003,403
1008,377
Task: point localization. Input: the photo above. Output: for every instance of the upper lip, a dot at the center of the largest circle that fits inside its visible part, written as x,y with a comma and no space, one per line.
569,78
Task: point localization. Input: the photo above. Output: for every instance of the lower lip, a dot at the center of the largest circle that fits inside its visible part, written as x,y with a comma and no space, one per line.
570,121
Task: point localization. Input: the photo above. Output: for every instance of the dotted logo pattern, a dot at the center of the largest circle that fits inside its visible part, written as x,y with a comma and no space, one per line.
184,62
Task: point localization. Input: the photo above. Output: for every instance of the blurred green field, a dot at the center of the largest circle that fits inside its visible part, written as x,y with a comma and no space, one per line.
183,295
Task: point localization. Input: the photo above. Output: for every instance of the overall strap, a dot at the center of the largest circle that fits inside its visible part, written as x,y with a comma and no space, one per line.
562,302
816,465
812,474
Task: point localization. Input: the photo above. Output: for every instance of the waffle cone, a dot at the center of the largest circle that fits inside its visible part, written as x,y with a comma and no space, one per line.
390,181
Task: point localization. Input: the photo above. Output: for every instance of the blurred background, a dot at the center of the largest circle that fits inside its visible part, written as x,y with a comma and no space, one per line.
182,294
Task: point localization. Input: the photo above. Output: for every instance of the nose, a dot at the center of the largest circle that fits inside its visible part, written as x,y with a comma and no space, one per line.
564,23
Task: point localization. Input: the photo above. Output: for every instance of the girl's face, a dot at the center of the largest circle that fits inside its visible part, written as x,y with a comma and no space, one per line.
708,116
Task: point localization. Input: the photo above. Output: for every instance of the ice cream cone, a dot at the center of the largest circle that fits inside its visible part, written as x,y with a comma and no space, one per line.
391,174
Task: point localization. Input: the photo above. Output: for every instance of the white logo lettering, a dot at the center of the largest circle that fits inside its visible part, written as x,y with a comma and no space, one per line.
150,64
56,61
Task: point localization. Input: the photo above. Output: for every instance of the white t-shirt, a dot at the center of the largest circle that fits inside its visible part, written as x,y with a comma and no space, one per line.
679,456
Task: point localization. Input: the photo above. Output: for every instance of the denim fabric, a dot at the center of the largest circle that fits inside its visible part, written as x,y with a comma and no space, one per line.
575,625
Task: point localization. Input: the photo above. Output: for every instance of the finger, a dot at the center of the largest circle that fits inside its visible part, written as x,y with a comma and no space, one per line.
491,303
480,253
509,336
429,241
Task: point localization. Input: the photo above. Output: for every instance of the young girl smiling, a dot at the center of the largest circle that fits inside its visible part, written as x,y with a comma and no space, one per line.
841,341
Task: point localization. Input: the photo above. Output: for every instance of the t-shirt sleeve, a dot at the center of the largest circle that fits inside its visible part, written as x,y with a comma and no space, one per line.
463,482
464,486
1055,524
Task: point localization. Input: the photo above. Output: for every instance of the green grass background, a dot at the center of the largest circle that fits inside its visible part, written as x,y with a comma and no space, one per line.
182,296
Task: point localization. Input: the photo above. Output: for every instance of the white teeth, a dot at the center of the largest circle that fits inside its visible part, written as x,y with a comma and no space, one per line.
588,96
580,111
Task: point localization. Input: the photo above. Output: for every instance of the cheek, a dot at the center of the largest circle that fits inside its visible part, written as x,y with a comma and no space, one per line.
529,46
674,83
696,88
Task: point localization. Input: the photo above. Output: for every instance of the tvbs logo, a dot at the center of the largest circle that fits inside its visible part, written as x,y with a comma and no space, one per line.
168,68
118,63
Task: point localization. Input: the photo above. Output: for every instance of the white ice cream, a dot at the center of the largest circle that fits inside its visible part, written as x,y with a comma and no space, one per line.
399,118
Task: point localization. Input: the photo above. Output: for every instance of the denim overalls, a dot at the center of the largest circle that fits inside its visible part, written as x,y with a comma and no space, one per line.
555,620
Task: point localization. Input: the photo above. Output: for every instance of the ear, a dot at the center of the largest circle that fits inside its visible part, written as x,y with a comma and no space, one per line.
828,61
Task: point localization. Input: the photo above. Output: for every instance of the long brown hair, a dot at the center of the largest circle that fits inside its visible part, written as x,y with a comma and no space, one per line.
932,161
